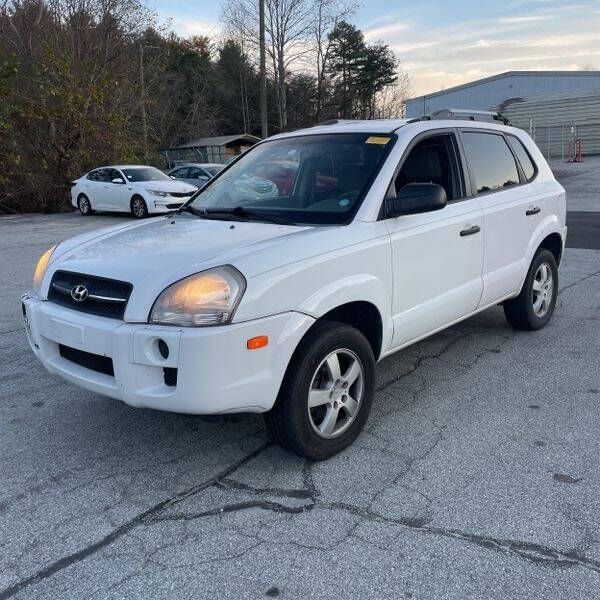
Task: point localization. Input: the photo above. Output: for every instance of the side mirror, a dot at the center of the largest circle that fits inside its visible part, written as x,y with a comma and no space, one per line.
117,180
203,178
416,198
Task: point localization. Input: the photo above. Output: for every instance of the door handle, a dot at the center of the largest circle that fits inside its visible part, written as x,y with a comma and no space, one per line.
533,211
470,231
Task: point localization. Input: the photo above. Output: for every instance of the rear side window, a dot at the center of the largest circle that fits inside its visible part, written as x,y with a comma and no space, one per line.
492,164
522,156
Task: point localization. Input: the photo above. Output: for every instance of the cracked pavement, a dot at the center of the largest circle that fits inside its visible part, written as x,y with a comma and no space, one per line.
476,476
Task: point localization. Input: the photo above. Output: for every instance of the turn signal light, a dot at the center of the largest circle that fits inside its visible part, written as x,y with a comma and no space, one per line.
257,342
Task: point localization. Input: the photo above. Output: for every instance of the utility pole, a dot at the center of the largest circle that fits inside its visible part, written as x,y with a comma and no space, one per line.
143,104
263,71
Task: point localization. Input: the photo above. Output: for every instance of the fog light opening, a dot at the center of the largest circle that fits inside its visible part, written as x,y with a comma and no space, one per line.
163,348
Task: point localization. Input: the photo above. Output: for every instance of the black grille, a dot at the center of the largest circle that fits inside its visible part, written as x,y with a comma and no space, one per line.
180,194
63,282
173,206
94,362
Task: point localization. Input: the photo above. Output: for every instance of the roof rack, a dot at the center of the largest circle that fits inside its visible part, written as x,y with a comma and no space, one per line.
335,122
470,115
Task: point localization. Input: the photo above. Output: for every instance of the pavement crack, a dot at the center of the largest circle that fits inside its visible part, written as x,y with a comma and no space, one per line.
230,508
280,492
141,518
577,282
531,551
420,361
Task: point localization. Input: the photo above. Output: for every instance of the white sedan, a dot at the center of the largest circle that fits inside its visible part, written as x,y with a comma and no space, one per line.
140,190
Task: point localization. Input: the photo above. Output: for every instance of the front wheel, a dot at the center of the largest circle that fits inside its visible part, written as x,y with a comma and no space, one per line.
138,207
327,393
534,306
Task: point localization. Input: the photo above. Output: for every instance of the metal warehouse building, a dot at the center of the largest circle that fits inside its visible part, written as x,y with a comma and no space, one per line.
555,107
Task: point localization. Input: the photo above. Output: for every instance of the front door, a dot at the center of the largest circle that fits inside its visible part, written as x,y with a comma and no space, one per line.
437,257
117,194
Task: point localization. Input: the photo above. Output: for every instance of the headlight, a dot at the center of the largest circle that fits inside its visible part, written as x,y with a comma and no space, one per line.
159,193
207,298
42,264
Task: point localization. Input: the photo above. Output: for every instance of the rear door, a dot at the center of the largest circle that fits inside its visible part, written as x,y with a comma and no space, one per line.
510,205
94,188
437,257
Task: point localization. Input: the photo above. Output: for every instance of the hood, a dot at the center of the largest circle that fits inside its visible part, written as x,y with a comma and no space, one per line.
155,253
165,186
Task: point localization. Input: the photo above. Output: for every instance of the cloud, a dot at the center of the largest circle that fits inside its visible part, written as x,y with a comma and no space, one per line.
528,35
188,27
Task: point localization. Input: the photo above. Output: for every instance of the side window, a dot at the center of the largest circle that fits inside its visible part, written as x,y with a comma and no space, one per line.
433,160
523,157
196,173
102,175
492,164
113,174
94,175
181,173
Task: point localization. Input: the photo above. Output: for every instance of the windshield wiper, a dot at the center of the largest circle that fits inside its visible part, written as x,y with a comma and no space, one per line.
198,212
245,213
239,212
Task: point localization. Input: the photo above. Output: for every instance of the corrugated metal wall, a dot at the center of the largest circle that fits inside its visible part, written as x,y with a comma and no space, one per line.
485,93
555,120
554,107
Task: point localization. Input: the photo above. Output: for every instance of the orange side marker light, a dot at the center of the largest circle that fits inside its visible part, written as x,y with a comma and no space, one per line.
257,342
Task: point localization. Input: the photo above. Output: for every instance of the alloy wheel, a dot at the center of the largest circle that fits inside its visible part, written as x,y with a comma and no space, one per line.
138,207
335,393
543,290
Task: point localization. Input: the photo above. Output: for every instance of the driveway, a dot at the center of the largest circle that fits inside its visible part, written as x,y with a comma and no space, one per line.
477,476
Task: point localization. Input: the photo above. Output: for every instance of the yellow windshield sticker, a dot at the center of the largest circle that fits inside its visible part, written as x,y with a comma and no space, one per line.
377,140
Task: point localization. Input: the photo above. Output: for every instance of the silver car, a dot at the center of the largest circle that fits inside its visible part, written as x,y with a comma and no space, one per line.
196,173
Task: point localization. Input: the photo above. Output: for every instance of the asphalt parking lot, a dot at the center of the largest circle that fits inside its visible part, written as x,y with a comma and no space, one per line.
477,476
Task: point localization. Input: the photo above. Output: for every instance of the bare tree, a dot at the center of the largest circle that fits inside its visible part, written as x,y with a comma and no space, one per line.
288,25
390,103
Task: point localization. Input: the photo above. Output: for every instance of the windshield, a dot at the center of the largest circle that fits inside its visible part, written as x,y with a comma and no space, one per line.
307,180
145,174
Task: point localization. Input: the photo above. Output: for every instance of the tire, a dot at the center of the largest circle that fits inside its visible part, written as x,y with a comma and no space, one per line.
84,205
534,306
138,207
334,422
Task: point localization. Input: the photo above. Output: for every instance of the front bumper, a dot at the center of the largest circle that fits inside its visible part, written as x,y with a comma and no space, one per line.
215,372
166,204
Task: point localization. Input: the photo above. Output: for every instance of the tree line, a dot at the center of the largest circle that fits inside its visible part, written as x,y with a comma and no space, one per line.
91,82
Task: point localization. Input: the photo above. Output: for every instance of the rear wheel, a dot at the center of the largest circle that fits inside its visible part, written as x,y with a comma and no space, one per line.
534,306
84,205
327,392
138,207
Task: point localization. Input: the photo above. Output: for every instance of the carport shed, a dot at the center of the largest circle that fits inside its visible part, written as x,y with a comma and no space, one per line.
216,149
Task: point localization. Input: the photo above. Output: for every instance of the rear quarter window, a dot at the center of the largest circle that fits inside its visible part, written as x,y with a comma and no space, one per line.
527,164
492,164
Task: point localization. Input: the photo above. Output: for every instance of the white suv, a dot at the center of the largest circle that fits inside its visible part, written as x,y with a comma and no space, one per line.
376,235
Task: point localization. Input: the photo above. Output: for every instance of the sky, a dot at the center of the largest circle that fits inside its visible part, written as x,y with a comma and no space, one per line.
443,43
